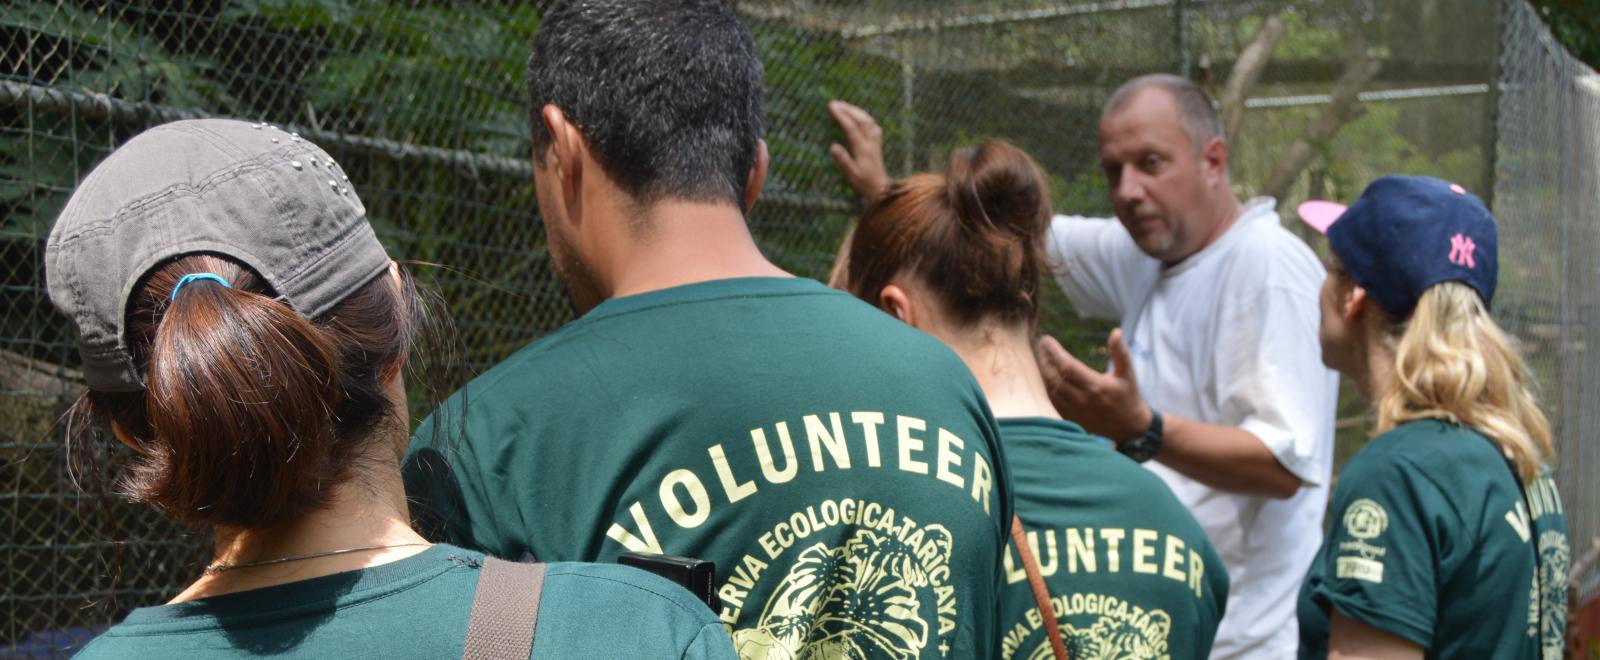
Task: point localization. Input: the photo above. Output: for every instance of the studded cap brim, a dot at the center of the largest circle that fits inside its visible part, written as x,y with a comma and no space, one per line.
252,192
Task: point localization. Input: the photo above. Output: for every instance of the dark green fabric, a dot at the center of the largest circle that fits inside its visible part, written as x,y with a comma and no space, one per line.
1131,572
1429,540
418,608
873,524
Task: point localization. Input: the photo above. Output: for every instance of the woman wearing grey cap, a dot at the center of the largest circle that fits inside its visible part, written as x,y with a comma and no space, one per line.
1447,538
245,334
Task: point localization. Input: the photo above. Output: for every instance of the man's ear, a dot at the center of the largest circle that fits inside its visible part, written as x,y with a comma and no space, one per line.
897,303
758,177
565,155
1215,156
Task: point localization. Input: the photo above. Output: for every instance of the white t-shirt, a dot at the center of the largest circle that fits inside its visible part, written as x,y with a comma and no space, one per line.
1227,337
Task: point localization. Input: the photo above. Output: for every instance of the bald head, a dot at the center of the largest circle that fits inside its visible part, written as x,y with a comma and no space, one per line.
1196,114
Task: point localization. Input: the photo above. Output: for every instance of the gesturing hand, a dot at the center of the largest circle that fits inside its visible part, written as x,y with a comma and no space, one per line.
860,158
1104,404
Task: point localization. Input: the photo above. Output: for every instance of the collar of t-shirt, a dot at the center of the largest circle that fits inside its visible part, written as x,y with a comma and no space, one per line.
303,596
1257,210
735,287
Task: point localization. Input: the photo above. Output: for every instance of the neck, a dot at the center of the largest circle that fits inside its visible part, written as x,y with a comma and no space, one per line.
1377,362
685,243
1001,358
368,510
1224,214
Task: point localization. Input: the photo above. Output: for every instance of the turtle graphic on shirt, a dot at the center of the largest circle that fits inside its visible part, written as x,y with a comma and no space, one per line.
868,598
1555,564
1113,638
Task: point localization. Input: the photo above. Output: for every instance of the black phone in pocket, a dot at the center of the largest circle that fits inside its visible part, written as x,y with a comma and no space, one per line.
697,575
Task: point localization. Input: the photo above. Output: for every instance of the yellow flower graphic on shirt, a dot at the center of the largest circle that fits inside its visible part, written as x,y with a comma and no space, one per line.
869,598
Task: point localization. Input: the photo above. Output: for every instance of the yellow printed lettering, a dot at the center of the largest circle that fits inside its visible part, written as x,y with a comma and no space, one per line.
1080,547
1170,567
982,481
634,543
1113,537
697,494
764,454
1013,574
1143,549
909,444
1046,568
948,458
730,486
818,437
869,421
1197,570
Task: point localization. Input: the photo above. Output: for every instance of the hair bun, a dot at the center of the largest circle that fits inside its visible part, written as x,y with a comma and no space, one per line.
996,187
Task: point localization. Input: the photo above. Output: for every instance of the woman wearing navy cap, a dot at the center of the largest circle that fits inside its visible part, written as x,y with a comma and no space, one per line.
1446,536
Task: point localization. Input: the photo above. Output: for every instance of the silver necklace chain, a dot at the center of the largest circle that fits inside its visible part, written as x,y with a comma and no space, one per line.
220,567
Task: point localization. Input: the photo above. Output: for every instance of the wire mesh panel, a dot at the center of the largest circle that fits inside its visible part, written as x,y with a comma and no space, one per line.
421,102
1547,198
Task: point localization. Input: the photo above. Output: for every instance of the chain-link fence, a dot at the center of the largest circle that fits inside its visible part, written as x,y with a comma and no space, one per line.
1547,197
421,103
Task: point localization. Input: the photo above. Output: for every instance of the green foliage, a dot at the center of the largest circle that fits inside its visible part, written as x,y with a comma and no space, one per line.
1576,24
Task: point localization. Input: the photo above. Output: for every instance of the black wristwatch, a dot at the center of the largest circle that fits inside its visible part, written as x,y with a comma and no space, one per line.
1144,447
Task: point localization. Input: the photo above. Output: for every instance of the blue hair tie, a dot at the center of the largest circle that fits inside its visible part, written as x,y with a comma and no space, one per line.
194,277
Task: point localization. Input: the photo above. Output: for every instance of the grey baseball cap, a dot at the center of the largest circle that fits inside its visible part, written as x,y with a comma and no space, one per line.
261,196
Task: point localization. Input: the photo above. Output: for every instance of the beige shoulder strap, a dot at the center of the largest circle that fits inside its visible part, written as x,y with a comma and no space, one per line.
1041,594
504,611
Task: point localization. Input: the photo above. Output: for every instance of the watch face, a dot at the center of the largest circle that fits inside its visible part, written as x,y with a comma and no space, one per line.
1140,449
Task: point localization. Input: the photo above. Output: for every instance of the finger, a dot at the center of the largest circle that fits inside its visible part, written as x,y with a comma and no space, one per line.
863,118
1067,371
848,118
841,157
1121,358
871,135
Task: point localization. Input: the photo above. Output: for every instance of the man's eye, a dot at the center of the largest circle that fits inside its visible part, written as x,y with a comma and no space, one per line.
1151,163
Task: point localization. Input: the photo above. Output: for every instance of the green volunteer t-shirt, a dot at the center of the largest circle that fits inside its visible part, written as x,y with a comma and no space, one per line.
418,607
840,468
1130,572
1430,540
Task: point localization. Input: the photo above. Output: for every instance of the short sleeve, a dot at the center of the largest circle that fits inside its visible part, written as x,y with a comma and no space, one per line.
713,643
1380,562
1270,377
1098,266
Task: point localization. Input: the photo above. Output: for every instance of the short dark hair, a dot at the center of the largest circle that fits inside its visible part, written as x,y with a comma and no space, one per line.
1196,113
667,93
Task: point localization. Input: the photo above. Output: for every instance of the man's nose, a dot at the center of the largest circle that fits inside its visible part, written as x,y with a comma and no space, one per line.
1130,187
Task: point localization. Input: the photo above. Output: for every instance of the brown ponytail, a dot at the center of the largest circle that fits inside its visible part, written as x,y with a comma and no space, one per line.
975,235
252,413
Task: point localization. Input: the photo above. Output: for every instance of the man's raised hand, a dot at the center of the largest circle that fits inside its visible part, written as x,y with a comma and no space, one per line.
860,158
1104,404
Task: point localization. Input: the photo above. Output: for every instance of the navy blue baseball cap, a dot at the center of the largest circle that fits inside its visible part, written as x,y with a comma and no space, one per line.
1408,233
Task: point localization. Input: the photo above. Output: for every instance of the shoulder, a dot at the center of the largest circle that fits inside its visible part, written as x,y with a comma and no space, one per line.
583,602
1268,253
1434,448
616,588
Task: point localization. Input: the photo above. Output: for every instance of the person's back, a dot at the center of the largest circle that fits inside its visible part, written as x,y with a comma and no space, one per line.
418,607
245,335
841,470
1123,570
830,460
1131,572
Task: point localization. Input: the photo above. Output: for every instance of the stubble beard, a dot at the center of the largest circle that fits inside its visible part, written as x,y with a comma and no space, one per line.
577,279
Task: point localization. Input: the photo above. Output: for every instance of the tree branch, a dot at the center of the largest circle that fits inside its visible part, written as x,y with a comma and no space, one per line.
1247,72
1359,70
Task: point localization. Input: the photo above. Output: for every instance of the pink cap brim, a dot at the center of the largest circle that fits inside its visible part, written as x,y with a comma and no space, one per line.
1320,214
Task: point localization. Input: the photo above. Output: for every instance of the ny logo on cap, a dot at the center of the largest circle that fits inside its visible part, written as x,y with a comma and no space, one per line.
1461,249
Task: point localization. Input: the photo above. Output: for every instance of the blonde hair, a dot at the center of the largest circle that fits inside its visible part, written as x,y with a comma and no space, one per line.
1453,362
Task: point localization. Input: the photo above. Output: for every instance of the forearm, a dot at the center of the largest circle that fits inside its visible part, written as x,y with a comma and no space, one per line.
1224,457
1349,639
